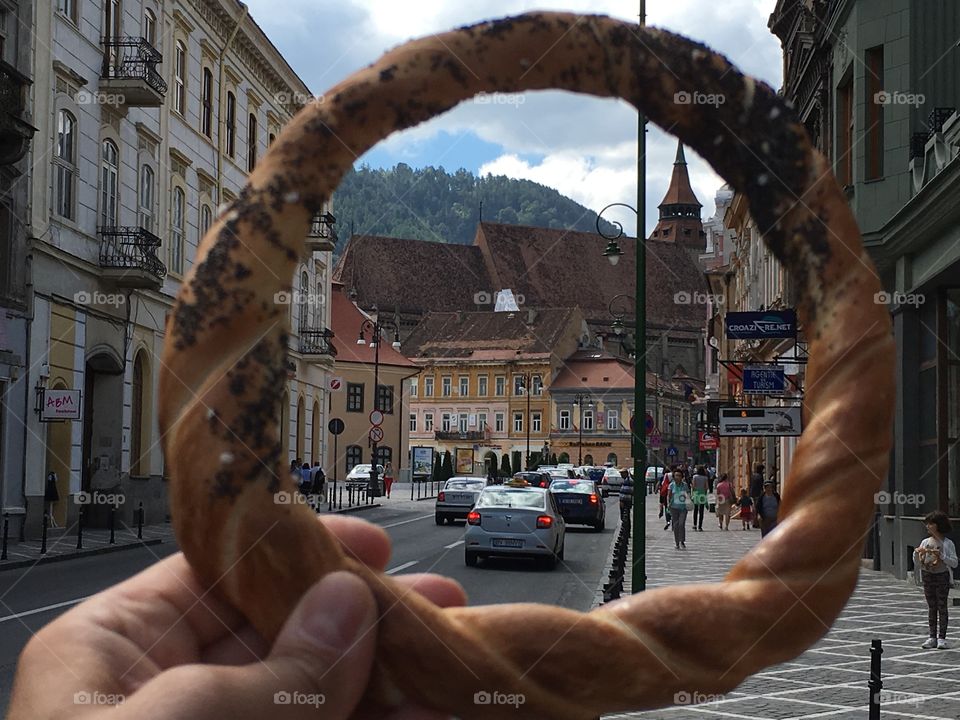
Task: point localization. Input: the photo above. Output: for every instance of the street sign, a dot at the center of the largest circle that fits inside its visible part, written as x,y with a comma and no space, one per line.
60,405
649,423
376,434
708,441
761,325
335,426
656,439
672,451
376,417
764,380
760,421
335,384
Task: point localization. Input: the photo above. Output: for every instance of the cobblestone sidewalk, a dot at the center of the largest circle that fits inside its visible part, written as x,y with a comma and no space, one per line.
830,680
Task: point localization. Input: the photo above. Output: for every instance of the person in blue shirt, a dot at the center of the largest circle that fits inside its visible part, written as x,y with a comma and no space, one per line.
678,499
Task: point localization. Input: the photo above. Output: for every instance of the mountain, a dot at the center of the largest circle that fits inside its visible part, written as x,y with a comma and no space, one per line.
432,204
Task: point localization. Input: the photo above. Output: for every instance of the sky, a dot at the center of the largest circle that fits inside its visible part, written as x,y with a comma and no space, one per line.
582,146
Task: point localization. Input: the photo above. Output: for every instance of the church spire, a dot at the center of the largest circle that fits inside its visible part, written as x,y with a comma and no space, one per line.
680,200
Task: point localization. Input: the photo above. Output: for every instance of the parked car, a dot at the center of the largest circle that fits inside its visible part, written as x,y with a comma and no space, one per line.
654,476
612,480
534,478
457,498
580,502
359,475
559,474
515,522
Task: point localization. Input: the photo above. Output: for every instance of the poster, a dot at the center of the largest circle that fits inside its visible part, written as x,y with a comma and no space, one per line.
422,461
464,461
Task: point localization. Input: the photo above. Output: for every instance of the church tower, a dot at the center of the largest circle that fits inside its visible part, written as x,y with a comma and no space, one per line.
680,211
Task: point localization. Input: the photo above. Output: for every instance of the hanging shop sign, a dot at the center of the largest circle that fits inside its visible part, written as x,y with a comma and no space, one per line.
760,421
761,325
764,380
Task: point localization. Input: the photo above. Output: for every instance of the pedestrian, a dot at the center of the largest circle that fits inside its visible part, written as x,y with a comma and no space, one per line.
746,509
700,490
295,467
934,559
680,502
664,492
319,482
626,493
756,489
725,499
388,477
306,479
768,507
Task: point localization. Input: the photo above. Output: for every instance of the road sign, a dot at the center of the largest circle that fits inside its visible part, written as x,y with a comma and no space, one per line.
672,451
656,439
376,418
649,423
335,384
764,380
376,434
335,426
760,421
708,441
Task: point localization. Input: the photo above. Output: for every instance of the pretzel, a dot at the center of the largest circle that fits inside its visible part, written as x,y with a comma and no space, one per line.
223,374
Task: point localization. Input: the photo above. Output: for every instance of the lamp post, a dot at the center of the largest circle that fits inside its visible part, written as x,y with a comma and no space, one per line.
376,328
578,400
526,383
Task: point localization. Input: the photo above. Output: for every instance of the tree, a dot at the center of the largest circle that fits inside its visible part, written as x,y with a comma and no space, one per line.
515,461
437,470
505,470
447,466
535,460
553,459
564,457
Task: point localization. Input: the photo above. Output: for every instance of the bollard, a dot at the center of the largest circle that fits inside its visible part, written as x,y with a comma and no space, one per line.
412,483
43,542
113,539
6,531
80,529
875,683
340,507
140,522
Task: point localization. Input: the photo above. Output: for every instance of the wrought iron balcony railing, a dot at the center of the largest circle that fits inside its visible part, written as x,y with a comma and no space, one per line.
132,58
317,342
456,435
130,254
15,131
321,236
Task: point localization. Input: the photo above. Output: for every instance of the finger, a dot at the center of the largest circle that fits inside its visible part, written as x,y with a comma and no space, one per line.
361,540
437,589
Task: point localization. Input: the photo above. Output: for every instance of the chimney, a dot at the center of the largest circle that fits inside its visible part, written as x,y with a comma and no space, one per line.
459,316
531,316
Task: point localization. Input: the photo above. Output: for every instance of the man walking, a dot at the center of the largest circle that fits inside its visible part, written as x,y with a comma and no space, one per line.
701,487
756,485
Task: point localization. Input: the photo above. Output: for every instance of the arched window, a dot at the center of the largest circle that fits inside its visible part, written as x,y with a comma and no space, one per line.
65,165
354,455
285,426
180,77
612,458
206,219
146,198
316,433
109,184
303,319
137,405
177,230
231,125
384,455
206,105
318,305
588,459
150,27
301,429
251,142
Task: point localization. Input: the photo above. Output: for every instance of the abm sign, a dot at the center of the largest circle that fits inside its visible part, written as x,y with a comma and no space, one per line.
761,325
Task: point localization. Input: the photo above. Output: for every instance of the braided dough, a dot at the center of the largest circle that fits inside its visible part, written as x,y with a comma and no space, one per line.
223,374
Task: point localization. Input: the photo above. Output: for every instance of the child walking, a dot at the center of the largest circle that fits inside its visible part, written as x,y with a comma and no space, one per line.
746,509
935,558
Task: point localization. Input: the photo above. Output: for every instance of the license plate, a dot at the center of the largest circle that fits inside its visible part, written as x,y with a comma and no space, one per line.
571,502
459,497
507,542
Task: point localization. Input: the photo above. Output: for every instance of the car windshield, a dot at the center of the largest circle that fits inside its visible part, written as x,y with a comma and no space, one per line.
613,472
361,468
558,473
577,486
512,497
465,484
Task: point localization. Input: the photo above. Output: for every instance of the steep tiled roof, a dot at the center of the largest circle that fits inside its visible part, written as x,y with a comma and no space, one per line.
346,319
680,192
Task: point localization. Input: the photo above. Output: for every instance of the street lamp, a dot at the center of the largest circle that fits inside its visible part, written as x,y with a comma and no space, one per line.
578,400
376,328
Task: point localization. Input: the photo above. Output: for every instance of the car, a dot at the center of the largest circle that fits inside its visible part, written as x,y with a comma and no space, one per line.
517,521
359,475
457,498
580,502
558,473
654,476
612,479
534,478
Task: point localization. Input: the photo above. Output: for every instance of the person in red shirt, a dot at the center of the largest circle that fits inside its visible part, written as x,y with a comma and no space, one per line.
664,489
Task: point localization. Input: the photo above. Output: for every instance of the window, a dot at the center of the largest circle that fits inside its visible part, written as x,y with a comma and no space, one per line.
462,422
564,419
270,138
445,388
413,422
112,16
482,385
231,125
150,27
385,399
498,420
180,78
536,422
109,184
500,385
587,420
206,104
251,142
845,122
518,384
354,397
177,230
537,383
518,422
354,456
428,386
65,164
303,306
613,419
481,421
445,422
136,417
384,455
146,198
874,105
464,386
68,8
428,422
206,219
413,386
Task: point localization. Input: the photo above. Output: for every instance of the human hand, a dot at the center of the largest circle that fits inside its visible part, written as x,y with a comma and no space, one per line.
167,650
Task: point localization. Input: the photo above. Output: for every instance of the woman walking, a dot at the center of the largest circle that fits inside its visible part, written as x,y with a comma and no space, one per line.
935,559
678,499
725,500
768,506
701,487
388,477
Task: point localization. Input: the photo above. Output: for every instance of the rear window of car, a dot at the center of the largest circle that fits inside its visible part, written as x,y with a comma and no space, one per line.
578,486
512,497
464,484
612,472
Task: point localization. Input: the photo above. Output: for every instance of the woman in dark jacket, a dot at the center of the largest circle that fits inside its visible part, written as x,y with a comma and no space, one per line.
626,493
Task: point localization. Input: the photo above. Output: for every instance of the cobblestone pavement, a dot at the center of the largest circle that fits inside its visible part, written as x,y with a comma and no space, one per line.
829,680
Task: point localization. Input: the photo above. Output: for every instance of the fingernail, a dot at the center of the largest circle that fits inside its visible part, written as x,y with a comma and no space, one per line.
336,611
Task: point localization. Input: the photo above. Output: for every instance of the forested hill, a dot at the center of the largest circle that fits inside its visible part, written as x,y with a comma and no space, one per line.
432,204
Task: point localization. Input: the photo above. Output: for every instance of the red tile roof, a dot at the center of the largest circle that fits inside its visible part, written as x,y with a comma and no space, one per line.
346,319
680,192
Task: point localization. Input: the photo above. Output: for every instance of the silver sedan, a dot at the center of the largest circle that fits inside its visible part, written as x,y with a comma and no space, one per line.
515,521
457,498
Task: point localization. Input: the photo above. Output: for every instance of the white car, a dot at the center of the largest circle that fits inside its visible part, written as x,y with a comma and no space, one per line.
458,497
612,480
359,475
515,521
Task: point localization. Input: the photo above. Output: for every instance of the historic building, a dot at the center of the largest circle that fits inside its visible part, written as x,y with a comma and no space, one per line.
150,116
878,85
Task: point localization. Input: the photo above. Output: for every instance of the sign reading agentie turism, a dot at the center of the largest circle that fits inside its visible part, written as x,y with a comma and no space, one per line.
761,325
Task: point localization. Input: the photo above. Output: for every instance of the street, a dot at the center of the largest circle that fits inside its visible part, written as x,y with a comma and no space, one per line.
32,597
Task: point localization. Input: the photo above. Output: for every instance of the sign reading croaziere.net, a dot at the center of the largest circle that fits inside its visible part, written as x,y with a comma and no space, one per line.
760,421
761,325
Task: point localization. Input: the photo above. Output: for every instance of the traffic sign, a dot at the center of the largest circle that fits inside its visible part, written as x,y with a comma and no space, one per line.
656,439
335,384
376,418
335,426
672,451
376,434
649,423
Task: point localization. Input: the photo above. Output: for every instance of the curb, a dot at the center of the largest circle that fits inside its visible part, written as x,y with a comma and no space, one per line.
352,509
46,560
607,565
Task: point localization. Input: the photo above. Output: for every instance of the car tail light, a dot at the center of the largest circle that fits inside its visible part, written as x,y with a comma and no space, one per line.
473,517
441,497
544,521
593,499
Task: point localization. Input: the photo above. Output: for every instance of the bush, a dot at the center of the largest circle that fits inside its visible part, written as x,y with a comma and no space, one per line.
447,472
553,459
505,470
564,458
437,470
515,462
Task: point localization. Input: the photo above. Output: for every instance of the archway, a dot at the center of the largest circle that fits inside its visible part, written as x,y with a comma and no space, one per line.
285,427
140,413
588,459
102,444
316,432
490,462
563,458
612,458
301,429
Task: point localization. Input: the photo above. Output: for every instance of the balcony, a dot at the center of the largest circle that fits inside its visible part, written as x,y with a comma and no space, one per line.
470,435
321,237
317,342
15,131
130,72
129,259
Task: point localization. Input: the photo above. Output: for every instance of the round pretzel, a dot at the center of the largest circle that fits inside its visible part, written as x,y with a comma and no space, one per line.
224,372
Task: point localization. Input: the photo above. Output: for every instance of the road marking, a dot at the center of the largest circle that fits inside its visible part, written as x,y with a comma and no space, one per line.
453,545
398,568
404,522
25,613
